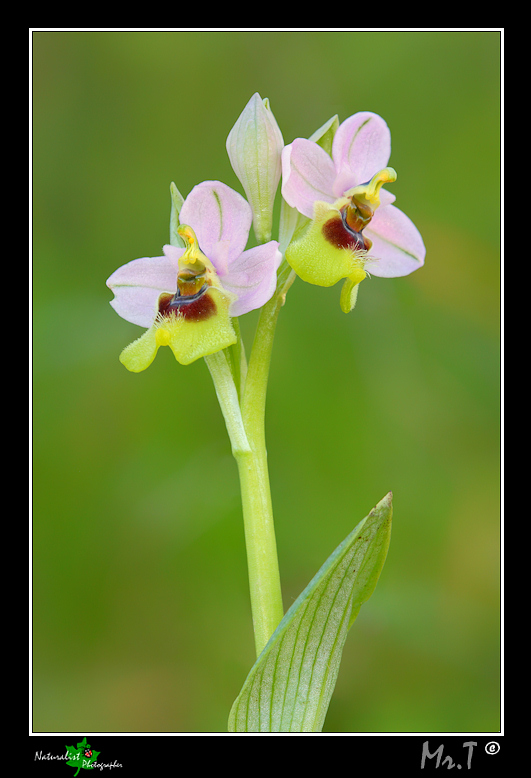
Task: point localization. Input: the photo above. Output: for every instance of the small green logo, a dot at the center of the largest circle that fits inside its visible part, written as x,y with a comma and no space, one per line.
81,757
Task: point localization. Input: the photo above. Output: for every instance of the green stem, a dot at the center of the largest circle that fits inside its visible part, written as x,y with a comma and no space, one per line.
262,562
223,379
264,576
246,428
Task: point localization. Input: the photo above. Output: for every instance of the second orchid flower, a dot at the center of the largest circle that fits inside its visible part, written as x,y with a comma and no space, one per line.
354,227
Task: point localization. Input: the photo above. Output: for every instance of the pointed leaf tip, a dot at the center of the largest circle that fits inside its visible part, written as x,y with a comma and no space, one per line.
290,686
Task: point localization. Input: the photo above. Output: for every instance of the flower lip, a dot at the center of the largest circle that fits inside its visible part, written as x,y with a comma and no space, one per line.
193,307
178,299
338,232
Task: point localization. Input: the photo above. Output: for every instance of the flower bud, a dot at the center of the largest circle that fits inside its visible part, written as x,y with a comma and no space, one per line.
254,146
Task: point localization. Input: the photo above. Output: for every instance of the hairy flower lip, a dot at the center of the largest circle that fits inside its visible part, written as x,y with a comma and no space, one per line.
339,233
193,307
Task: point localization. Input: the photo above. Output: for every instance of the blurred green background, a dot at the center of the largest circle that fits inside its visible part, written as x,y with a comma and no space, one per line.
141,609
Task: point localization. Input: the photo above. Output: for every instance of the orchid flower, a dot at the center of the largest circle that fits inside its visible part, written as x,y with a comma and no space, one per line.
187,297
355,229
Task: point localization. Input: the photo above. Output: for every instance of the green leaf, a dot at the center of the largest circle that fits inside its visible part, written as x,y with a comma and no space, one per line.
177,201
324,136
290,685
